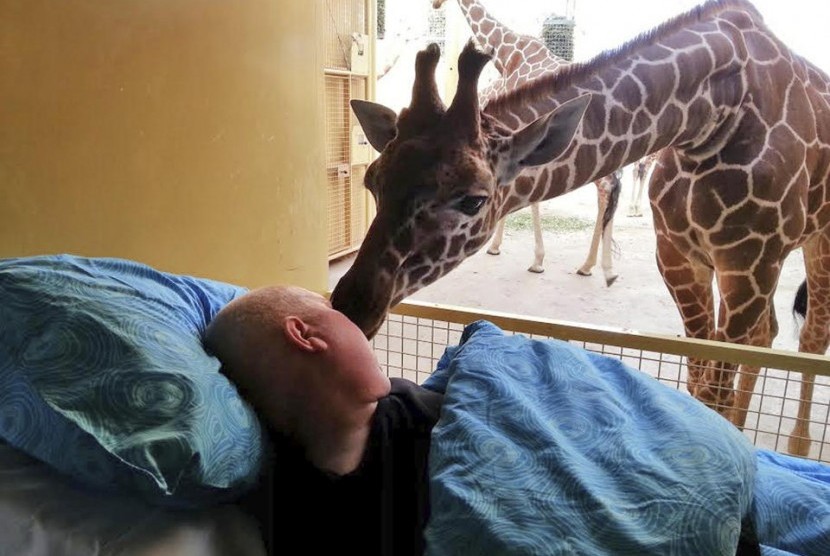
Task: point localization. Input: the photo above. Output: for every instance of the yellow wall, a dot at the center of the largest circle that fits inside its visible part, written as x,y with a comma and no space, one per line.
186,134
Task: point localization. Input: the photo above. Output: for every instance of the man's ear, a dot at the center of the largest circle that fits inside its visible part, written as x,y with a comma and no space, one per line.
378,122
300,335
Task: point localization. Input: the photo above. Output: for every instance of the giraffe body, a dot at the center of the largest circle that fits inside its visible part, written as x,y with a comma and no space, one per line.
520,59
743,126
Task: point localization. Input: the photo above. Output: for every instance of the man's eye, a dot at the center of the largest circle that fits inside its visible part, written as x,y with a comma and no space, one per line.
471,204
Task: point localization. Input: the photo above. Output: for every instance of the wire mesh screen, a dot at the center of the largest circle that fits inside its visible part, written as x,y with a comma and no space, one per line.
409,346
558,35
437,28
338,162
357,215
344,173
343,17
346,200
381,19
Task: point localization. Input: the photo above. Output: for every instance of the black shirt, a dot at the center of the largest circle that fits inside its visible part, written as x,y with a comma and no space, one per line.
380,508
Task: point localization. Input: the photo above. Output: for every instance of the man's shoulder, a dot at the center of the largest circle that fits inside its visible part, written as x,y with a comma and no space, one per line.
412,404
402,386
410,392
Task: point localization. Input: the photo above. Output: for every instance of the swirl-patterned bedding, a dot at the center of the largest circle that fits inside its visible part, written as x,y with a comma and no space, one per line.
545,448
103,376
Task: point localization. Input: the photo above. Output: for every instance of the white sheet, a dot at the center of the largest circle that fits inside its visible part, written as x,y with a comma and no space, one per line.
44,514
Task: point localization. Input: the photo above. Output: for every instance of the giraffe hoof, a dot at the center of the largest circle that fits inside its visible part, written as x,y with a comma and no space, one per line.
493,251
536,268
798,446
583,272
609,280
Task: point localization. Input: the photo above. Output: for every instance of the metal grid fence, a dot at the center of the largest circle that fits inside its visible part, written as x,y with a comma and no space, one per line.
558,34
342,18
414,337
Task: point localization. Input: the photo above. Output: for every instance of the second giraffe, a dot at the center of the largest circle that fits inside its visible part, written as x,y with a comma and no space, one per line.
519,59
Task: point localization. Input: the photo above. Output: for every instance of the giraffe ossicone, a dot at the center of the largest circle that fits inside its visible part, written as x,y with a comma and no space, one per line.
743,126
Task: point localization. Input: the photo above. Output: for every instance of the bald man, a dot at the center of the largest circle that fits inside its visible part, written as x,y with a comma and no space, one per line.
349,468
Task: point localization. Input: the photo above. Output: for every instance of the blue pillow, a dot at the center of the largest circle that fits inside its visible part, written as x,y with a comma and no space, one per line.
103,376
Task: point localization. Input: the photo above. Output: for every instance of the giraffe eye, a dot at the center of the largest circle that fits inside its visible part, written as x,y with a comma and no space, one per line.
471,204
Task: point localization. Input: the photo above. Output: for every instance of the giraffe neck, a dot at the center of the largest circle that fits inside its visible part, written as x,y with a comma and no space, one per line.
509,48
643,101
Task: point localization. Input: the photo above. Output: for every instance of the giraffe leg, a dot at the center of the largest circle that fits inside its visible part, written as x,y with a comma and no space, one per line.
607,254
815,334
762,336
495,245
800,441
744,317
747,376
538,242
716,387
690,285
588,265
638,204
634,209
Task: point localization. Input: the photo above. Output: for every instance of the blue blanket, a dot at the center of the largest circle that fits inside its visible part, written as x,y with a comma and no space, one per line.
544,448
791,506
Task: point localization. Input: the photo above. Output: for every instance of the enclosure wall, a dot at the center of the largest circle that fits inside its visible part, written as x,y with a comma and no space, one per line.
187,135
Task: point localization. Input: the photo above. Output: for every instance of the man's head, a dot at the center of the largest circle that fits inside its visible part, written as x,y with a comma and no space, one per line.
294,357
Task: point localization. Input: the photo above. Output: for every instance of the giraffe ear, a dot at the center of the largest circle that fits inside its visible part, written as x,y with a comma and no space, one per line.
546,138
377,121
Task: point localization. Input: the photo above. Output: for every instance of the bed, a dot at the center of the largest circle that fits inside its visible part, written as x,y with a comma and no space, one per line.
44,513
51,504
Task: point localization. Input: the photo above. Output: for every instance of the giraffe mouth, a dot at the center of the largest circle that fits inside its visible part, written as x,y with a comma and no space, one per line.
366,306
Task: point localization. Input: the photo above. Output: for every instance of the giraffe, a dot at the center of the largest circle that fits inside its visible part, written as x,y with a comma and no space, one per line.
743,124
641,170
519,59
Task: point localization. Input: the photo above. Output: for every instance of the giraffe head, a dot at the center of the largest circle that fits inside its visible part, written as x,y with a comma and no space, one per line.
438,3
440,184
